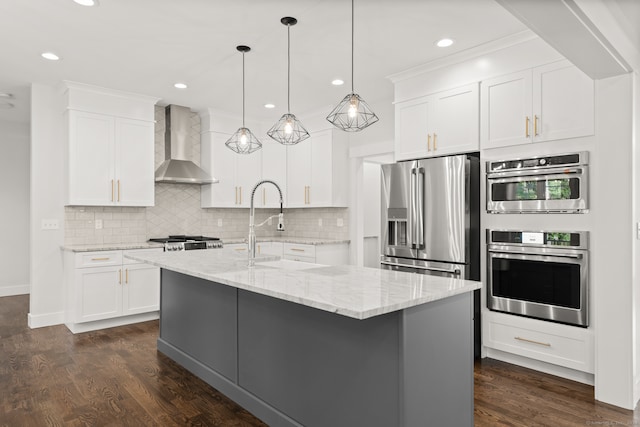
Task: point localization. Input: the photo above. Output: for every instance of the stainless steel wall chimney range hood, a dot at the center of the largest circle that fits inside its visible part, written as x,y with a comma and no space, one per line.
178,167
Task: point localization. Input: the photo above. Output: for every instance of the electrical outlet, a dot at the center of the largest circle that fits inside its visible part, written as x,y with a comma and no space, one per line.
340,222
270,222
50,224
319,222
98,224
219,222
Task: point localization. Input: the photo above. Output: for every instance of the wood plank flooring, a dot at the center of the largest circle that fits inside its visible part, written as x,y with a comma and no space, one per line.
50,377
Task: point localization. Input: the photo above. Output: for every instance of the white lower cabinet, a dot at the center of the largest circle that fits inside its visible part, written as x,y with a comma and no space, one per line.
104,285
327,254
562,345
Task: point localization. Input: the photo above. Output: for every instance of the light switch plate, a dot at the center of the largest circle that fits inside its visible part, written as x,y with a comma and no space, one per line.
319,222
340,222
219,222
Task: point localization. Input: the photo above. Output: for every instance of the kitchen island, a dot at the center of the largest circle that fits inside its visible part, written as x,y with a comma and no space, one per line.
313,345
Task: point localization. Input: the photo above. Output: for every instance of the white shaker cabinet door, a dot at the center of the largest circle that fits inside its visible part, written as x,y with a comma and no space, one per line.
219,162
248,174
413,119
456,126
141,289
274,167
99,293
505,113
90,159
135,174
563,102
299,173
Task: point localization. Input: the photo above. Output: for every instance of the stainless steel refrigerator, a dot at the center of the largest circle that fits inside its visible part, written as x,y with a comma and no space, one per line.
431,219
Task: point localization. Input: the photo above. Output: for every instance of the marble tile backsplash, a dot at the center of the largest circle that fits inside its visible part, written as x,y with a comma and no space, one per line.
177,211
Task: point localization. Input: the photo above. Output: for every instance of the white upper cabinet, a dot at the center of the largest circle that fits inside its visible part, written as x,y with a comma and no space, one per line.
274,168
317,171
554,101
110,147
438,124
237,173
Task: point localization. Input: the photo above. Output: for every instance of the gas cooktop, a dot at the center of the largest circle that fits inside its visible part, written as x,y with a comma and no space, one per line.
184,242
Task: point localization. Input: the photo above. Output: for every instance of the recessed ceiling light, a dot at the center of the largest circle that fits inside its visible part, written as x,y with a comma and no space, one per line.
444,42
87,2
180,86
269,106
6,95
50,56
337,82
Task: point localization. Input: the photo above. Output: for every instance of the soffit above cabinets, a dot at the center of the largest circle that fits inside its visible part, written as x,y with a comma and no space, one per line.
565,26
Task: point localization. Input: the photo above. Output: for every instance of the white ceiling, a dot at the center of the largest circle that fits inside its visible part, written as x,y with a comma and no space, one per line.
145,46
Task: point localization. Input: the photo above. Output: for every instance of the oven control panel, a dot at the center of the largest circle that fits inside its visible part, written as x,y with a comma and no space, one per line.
569,239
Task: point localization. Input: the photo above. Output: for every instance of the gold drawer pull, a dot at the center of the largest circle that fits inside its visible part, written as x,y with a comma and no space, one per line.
435,147
100,259
118,190
526,127
535,125
126,275
546,344
241,249
428,142
297,250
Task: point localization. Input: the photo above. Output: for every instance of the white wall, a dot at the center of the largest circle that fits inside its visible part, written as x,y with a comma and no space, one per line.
14,213
47,202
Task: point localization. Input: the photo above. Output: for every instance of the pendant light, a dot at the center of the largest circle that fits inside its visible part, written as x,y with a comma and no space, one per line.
243,141
288,130
352,114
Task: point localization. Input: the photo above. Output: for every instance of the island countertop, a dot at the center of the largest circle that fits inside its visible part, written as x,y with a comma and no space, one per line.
357,292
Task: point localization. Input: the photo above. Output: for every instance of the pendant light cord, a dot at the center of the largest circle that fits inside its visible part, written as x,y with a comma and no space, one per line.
242,89
352,32
289,69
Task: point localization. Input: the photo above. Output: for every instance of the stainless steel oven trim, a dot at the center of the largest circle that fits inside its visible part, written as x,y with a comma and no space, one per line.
583,159
579,170
578,317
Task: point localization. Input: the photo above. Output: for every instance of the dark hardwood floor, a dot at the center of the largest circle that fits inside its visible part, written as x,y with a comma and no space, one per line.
50,377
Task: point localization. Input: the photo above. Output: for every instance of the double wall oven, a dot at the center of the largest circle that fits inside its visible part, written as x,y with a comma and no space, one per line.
539,274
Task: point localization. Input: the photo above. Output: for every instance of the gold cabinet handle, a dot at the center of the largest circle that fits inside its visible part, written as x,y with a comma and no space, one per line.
297,250
308,194
258,249
428,142
112,190
435,147
118,190
546,344
240,196
526,127
120,277
126,275
100,259
535,125
241,249
236,201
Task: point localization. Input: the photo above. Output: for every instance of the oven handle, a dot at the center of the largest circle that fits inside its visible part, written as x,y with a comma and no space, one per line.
455,272
525,255
534,172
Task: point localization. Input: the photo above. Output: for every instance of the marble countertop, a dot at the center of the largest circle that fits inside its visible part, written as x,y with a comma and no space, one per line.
111,246
297,240
351,291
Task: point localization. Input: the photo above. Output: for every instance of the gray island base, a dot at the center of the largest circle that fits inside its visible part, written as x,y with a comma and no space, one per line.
293,365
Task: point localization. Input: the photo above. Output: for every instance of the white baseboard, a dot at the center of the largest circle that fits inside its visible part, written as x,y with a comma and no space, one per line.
78,328
42,320
537,365
8,291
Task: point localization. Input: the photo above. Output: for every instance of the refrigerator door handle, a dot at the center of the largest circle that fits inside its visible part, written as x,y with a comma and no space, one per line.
412,208
420,177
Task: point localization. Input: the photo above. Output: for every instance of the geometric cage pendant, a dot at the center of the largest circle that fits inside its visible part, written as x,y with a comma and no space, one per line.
352,114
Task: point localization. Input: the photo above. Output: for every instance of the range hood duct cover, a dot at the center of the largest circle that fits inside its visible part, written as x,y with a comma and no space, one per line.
178,167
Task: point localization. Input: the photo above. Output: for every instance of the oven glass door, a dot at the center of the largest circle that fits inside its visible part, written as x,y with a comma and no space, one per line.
535,189
551,283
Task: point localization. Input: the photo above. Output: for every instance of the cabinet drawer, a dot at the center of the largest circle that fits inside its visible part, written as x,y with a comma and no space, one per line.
298,250
127,261
558,344
98,259
300,258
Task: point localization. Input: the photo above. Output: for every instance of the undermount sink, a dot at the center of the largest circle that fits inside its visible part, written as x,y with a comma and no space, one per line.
288,264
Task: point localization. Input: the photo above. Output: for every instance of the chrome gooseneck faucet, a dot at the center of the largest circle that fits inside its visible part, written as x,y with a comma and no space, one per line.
252,226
